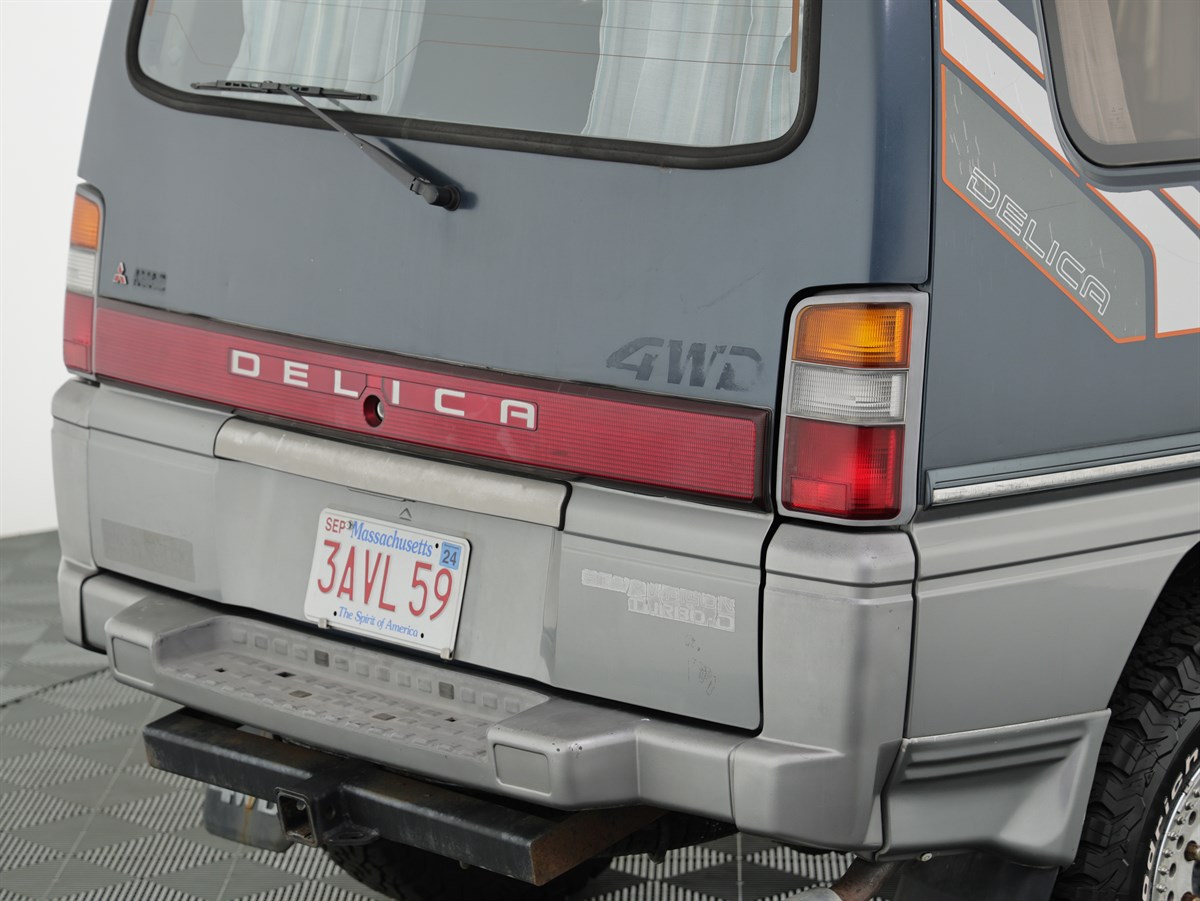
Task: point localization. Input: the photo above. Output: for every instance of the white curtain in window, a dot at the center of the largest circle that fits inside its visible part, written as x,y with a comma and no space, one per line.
1094,81
699,72
355,46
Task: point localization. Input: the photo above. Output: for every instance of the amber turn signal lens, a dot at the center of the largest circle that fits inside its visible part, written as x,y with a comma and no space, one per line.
85,223
855,334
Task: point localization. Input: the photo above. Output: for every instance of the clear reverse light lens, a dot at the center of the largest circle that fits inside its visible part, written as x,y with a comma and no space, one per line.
860,397
81,270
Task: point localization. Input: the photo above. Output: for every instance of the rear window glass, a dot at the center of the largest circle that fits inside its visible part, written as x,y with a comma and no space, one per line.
690,73
1127,77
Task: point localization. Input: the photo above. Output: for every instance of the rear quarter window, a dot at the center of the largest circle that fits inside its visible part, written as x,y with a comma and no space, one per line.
1127,78
699,81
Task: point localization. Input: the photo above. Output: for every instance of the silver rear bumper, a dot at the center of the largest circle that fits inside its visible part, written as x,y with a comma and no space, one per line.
444,723
1002,789
825,628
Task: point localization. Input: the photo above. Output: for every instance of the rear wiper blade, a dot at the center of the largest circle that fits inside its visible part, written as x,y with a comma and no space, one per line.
446,196
274,87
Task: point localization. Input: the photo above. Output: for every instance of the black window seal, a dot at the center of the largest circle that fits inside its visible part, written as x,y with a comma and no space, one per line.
607,149
1112,156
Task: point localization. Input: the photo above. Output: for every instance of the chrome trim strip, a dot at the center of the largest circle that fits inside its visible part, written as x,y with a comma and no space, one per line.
393,474
1024,484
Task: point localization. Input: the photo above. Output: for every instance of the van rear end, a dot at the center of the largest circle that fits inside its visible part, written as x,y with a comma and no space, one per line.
562,447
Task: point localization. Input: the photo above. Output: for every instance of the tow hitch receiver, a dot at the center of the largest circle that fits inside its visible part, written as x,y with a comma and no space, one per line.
324,799
314,812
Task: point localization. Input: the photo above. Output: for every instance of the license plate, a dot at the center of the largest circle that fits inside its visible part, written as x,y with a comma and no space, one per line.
387,581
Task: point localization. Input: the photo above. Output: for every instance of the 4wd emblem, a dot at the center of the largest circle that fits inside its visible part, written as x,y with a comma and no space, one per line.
722,367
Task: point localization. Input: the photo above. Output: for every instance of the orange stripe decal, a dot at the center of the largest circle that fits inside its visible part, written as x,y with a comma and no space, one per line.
1183,212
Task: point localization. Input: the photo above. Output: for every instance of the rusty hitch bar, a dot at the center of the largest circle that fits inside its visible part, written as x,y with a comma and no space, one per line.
325,799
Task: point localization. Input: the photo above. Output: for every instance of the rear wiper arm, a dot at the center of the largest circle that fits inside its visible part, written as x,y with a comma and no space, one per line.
446,196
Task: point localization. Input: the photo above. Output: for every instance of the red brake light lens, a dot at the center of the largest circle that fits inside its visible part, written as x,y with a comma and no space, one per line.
77,332
842,470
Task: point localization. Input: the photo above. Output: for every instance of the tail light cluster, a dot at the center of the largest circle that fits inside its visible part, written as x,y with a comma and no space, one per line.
849,396
82,263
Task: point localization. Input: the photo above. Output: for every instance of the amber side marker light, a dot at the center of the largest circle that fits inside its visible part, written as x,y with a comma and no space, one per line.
857,334
80,302
85,223
844,409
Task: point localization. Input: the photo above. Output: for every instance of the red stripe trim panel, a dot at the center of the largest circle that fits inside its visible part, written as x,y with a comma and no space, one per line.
680,445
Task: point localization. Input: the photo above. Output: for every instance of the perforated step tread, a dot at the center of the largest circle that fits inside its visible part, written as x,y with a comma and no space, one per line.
388,697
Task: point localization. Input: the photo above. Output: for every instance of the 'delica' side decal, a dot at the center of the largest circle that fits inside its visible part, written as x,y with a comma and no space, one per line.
1112,253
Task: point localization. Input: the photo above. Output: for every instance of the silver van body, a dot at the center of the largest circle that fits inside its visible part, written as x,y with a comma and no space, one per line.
934,679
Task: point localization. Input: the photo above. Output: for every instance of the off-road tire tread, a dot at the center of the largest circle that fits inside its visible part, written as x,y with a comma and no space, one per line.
1158,690
410,874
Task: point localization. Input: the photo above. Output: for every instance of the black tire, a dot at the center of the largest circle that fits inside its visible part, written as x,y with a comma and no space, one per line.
1150,754
410,874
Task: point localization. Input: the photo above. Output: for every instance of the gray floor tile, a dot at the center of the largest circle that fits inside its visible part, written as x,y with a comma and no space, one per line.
202,836
310,863
56,877
96,695
59,655
227,879
118,751
83,833
18,674
156,854
135,716
41,768
173,811
16,852
10,693
12,715
14,635
740,880
65,729
134,890
26,807
107,790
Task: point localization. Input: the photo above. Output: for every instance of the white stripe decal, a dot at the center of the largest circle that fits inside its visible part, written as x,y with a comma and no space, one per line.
1010,29
1176,258
1188,199
995,70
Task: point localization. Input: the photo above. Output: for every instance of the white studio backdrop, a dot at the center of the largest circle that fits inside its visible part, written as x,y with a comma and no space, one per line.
48,53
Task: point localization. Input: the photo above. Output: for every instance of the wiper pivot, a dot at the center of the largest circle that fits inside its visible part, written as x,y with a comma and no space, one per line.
446,196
